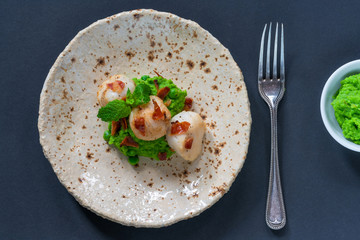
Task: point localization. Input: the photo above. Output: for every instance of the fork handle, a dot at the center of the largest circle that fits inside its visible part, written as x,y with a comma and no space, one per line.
275,208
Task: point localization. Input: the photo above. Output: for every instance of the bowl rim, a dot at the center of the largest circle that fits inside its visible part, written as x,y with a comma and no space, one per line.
343,70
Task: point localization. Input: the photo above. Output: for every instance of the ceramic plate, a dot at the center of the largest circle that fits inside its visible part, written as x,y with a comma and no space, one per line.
155,193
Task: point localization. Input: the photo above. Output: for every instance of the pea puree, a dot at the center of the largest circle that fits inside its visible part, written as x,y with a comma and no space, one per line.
346,104
149,149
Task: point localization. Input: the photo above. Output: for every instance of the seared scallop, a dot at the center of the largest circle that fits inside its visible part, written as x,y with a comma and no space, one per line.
150,121
185,134
114,88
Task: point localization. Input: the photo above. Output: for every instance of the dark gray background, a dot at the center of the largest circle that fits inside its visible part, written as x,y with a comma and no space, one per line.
321,179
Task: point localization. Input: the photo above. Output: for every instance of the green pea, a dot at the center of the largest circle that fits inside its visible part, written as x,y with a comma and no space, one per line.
107,135
132,152
173,93
133,160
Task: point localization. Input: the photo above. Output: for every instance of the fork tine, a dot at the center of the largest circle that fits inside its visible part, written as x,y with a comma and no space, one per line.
282,58
268,54
275,53
261,57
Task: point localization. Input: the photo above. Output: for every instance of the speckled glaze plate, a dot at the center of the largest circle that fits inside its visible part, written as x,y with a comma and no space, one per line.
153,194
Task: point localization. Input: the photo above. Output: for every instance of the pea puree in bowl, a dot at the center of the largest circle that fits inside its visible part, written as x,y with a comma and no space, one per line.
339,105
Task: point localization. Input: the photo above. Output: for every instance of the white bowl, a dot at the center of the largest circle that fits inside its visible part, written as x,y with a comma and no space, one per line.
327,111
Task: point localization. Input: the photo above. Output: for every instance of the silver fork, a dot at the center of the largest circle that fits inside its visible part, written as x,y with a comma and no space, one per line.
272,90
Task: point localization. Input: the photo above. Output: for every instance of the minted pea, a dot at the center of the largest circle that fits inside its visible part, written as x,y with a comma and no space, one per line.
173,93
132,152
107,135
133,160
144,77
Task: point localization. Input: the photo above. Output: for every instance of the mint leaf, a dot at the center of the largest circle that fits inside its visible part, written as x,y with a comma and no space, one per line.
141,95
129,98
114,110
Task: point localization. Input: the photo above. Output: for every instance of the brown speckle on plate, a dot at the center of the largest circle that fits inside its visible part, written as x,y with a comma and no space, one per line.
214,87
137,16
89,155
202,64
151,56
100,62
190,64
129,54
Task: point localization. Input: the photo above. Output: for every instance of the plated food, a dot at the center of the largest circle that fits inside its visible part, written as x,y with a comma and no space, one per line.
119,49
139,119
